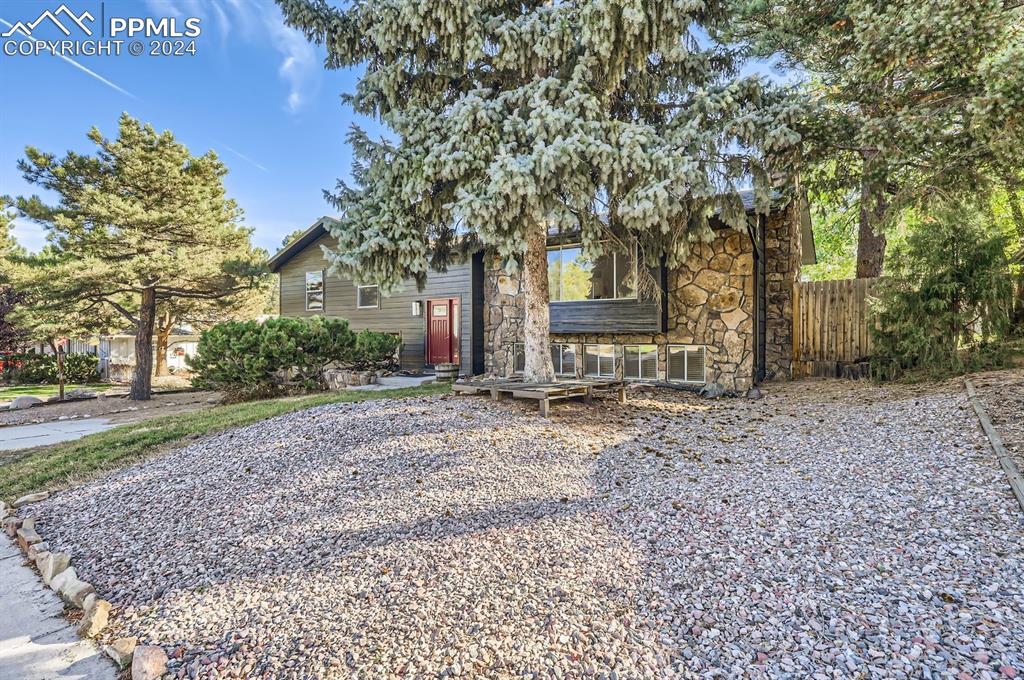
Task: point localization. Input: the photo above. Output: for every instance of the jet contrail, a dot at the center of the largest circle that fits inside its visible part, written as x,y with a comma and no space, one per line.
242,156
77,65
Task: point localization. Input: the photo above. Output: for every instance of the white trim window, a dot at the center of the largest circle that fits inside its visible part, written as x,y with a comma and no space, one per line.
518,358
563,358
367,297
687,363
573,276
599,361
315,291
640,362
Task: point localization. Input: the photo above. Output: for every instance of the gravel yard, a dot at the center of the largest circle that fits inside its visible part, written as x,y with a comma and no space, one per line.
1002,393
831,529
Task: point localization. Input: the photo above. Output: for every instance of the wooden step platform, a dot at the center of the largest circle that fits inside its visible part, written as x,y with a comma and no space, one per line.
544,393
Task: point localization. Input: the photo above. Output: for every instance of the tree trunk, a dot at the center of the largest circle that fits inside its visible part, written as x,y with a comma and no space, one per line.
1018,219
870,239
142,378
538,366
163,338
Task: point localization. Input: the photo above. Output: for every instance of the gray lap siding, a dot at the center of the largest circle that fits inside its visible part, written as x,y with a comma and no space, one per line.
394,314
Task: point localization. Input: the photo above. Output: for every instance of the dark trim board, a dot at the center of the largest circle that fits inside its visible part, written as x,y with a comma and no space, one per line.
477,319
606,316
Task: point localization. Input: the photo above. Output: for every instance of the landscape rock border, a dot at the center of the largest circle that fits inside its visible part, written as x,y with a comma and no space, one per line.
146,662
1013,475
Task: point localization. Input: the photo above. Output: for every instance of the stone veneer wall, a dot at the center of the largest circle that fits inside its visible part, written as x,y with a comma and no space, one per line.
783,255
711,303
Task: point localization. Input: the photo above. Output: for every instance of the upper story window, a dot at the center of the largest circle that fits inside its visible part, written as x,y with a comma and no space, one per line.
574,276
315,291
367,297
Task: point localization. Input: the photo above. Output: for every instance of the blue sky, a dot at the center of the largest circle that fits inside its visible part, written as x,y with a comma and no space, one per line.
256,92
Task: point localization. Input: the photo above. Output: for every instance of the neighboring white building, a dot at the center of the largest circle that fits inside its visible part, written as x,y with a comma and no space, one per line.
117,352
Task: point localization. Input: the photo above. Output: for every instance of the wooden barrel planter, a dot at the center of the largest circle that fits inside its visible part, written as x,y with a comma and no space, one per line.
446,372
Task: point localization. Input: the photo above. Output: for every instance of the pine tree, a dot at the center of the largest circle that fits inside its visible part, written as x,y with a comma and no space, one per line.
946,304
910,98
201,314
611,119
142,220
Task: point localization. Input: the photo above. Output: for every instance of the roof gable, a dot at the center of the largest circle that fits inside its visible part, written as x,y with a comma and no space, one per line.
306,239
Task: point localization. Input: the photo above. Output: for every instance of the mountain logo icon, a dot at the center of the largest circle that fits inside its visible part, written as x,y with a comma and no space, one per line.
54,17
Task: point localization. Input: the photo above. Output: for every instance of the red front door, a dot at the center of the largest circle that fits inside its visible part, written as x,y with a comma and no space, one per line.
443,331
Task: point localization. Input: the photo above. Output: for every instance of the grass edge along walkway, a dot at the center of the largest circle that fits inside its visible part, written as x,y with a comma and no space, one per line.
10,392
50,468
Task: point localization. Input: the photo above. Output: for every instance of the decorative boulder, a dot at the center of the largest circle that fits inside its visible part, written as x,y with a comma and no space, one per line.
34,550
28,537
79,394
11,525
24,401
51,565
334,378
71,589
148,663
713,390
95,617
122,650
31,498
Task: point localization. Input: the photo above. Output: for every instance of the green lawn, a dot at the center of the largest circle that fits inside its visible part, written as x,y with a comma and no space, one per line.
61,465
43,391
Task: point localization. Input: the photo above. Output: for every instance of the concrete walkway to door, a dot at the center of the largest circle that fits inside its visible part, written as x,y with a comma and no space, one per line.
395,382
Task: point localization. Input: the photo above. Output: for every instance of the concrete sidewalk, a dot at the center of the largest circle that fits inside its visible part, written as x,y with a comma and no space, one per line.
16,437
395,382
36,641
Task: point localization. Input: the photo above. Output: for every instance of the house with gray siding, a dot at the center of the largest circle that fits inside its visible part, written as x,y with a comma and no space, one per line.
450,304
724,315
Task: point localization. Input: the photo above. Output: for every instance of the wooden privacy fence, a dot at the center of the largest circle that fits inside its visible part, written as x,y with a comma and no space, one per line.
830,327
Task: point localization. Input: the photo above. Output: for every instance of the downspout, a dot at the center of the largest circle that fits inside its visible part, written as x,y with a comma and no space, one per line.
663,282
757,240
761,286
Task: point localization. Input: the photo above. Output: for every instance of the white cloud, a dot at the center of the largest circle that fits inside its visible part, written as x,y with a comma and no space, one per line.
299,67
256,21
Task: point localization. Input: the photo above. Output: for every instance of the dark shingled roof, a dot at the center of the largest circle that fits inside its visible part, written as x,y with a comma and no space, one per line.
305,239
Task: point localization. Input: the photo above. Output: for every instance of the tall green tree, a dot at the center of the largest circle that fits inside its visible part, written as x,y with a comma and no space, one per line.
948,295
144,220
11,334
510,119
10,251
911,98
